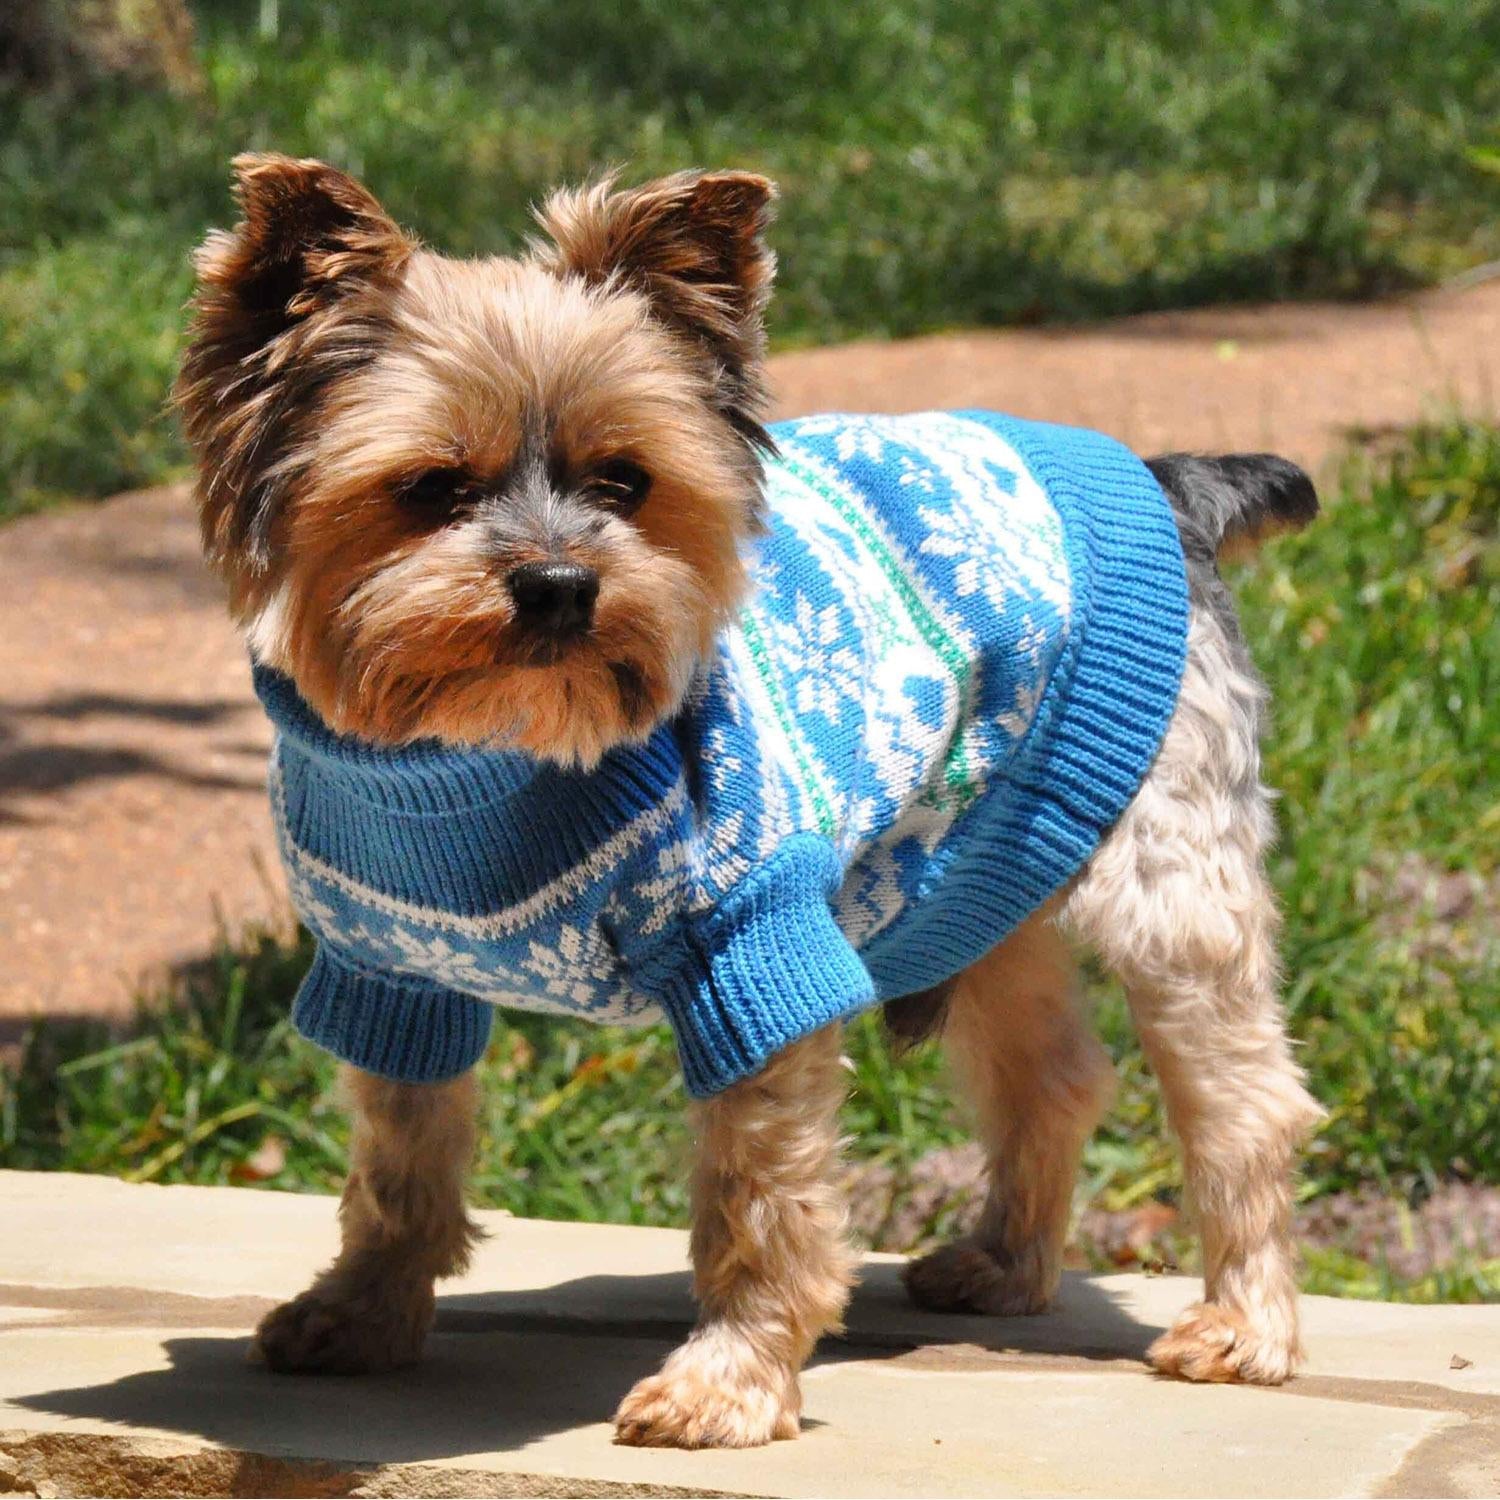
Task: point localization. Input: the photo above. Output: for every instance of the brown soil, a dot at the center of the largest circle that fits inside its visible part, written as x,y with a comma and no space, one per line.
132,814
1302,379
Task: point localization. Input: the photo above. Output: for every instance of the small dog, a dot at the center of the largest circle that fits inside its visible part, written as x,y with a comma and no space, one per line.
497,520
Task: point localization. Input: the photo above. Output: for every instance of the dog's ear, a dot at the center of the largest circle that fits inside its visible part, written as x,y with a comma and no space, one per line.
309,234
694,245
272,324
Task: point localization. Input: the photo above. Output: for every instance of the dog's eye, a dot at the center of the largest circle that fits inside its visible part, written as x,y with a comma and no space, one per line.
436,495
621,485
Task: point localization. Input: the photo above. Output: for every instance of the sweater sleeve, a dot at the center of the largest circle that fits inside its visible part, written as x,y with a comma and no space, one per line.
397,1026
763,968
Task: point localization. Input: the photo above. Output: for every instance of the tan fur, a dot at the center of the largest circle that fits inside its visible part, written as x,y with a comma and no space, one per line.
1021,1049
694,244
1176,901
286,302
403,1224
771,1263
420,619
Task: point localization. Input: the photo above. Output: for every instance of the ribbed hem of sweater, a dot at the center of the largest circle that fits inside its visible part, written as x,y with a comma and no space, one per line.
764,971
1101,721
399,1028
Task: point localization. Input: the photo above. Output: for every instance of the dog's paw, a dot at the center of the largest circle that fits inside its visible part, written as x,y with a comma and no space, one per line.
963,1277
699,1401
1210,1342
332,1330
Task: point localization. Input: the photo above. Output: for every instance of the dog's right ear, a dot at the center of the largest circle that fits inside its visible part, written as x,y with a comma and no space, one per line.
309,234
267,334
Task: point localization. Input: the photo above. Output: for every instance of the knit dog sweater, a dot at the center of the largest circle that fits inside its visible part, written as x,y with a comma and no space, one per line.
962,647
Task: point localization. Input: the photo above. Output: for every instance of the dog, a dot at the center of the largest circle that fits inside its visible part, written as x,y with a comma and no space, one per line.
503,521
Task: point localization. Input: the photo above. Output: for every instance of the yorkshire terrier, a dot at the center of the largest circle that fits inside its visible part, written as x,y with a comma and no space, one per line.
571,661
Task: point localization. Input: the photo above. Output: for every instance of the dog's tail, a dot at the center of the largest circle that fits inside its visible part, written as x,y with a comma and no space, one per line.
1234,502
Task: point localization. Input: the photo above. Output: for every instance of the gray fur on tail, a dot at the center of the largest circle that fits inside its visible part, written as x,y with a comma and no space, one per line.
1239,497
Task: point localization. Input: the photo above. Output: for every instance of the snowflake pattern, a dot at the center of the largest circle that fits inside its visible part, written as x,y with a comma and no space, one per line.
909,606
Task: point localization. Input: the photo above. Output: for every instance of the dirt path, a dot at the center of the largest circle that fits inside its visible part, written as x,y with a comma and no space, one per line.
132,817
1299,379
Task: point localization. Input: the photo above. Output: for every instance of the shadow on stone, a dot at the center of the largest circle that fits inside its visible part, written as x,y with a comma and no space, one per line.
506,1369
494,1393
1086,1323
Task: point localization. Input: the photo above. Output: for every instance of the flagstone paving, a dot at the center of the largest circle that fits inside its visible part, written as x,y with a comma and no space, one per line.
125,1313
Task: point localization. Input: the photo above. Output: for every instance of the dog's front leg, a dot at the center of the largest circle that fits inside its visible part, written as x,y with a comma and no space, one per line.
404,1225
771,1264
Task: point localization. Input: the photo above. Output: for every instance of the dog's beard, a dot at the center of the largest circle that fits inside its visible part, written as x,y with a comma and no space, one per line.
428,647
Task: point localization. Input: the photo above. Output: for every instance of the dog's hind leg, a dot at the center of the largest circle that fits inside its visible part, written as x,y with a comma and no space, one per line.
1176,901
771,1264
1022,1049
404,1225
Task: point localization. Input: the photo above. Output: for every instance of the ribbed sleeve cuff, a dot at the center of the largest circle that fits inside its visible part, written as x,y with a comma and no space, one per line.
765,970
403,1029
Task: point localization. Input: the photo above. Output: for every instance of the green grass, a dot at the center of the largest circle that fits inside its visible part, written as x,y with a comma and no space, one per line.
1379,629
944,162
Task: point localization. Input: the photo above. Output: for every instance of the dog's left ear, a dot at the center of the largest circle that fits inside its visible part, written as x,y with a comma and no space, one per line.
694,244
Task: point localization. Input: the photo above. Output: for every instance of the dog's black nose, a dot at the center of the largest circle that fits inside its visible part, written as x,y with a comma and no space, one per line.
557,597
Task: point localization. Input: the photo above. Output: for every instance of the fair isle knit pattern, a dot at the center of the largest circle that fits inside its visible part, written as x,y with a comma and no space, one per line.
963,645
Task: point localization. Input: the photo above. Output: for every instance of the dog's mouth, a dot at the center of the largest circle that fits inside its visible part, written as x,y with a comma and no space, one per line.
538,650
631,687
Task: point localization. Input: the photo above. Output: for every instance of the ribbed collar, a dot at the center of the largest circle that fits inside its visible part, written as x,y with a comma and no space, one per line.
395,775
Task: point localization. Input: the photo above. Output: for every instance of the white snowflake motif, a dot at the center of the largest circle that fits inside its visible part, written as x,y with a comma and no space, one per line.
951,534
1035,645
327,923
999,513
567,970
723,764
861,439
1035,641
664,891
852,437
913,474
316,913
777,815
436,958
1016,720
723,863
825,674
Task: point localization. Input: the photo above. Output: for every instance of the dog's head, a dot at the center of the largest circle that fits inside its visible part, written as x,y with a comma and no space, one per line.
498,502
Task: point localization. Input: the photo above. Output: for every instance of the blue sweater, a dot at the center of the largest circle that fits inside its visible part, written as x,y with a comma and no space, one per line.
962,649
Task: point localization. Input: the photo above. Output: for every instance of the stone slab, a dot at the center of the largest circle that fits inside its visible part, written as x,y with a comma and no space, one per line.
532,1403
125,1313
610,1276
